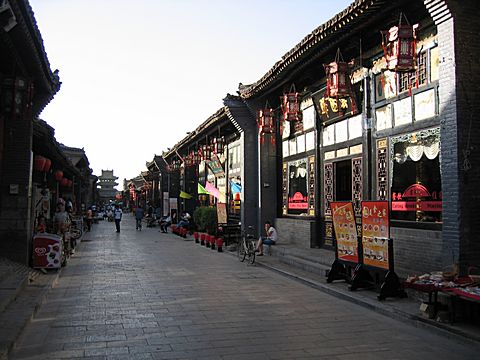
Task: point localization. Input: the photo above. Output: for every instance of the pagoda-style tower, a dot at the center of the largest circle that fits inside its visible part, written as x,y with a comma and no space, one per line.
107,185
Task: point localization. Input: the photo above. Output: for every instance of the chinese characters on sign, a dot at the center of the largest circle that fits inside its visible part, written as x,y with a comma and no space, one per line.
345,231
375,233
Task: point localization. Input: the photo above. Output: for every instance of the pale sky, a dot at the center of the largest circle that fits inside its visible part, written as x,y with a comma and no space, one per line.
137,75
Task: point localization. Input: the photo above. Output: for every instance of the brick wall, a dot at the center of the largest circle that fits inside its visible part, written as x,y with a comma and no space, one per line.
467,55
295,231
417,251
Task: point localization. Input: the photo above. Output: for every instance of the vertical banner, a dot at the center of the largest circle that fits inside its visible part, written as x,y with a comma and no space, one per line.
345,230
375,233
166,203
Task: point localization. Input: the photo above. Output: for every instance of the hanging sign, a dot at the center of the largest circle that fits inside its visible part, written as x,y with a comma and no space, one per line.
216,166
345,230
375,233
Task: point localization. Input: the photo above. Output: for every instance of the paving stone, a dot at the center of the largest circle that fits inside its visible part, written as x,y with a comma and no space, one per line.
152,296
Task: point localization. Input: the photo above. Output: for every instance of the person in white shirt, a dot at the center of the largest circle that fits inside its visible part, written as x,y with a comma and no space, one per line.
270,239
117,215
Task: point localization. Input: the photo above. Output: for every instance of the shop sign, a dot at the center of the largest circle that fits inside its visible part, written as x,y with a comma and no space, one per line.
375,233
332,108
345,230
417,198
298,186
216,166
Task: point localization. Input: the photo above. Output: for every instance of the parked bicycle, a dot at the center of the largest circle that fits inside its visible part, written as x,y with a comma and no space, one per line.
246,247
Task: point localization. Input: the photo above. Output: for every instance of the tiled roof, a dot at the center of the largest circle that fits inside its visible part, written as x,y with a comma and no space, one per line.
310,43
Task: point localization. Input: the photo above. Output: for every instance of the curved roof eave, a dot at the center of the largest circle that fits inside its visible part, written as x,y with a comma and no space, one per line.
305,47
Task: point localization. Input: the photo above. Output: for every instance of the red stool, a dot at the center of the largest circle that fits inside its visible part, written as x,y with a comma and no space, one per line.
195,235
212,242
202,239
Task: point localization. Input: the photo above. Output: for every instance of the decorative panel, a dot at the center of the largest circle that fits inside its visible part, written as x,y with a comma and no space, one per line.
328,233
328,187
382,171
357,185
311,185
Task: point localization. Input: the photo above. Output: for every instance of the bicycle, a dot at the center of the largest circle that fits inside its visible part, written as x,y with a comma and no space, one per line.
246,247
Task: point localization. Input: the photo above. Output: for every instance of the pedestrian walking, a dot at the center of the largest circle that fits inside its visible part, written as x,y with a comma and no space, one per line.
117,214
138,217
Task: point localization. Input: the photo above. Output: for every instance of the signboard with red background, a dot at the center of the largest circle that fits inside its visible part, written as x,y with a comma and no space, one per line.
375,233
345,230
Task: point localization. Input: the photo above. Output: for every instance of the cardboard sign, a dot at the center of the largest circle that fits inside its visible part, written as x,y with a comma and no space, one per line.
345,231
222,213
375,233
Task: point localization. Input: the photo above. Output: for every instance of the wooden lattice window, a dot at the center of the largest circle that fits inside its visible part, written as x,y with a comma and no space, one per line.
408,80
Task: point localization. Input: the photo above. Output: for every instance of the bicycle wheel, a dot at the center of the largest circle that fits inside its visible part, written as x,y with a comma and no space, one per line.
251,252
241,251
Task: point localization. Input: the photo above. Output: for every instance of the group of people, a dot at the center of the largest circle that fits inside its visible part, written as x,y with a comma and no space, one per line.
164,221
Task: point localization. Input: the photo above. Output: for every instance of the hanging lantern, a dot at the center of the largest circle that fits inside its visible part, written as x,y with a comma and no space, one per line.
195,157
206,152
64,182
218,145
187,160
338,78
39,162
58,175
70,183
48,164
265,121
399,46
290,106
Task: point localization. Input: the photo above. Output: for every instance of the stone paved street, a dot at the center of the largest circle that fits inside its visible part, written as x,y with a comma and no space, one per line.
149,295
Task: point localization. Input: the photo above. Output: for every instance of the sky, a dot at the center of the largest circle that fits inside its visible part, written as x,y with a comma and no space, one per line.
138,75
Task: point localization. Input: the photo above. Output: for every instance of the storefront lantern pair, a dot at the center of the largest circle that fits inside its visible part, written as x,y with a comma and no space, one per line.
291,105
399,46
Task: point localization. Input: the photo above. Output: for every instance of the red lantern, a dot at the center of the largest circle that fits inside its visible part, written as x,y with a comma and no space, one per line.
206,152
64,182
70,183
399,46
290,106
265,121
338,79
58,175
218,145
39,162
195,157
48,164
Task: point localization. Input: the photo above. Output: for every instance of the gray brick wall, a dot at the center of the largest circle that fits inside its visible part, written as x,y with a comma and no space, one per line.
295,231
460,133
415,256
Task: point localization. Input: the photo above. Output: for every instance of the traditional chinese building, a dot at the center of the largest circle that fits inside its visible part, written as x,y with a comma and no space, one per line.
27,85
376,104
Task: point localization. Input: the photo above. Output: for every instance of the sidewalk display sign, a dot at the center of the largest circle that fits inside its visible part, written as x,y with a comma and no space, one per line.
346,244
222,213
47,251
345,231
375,233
